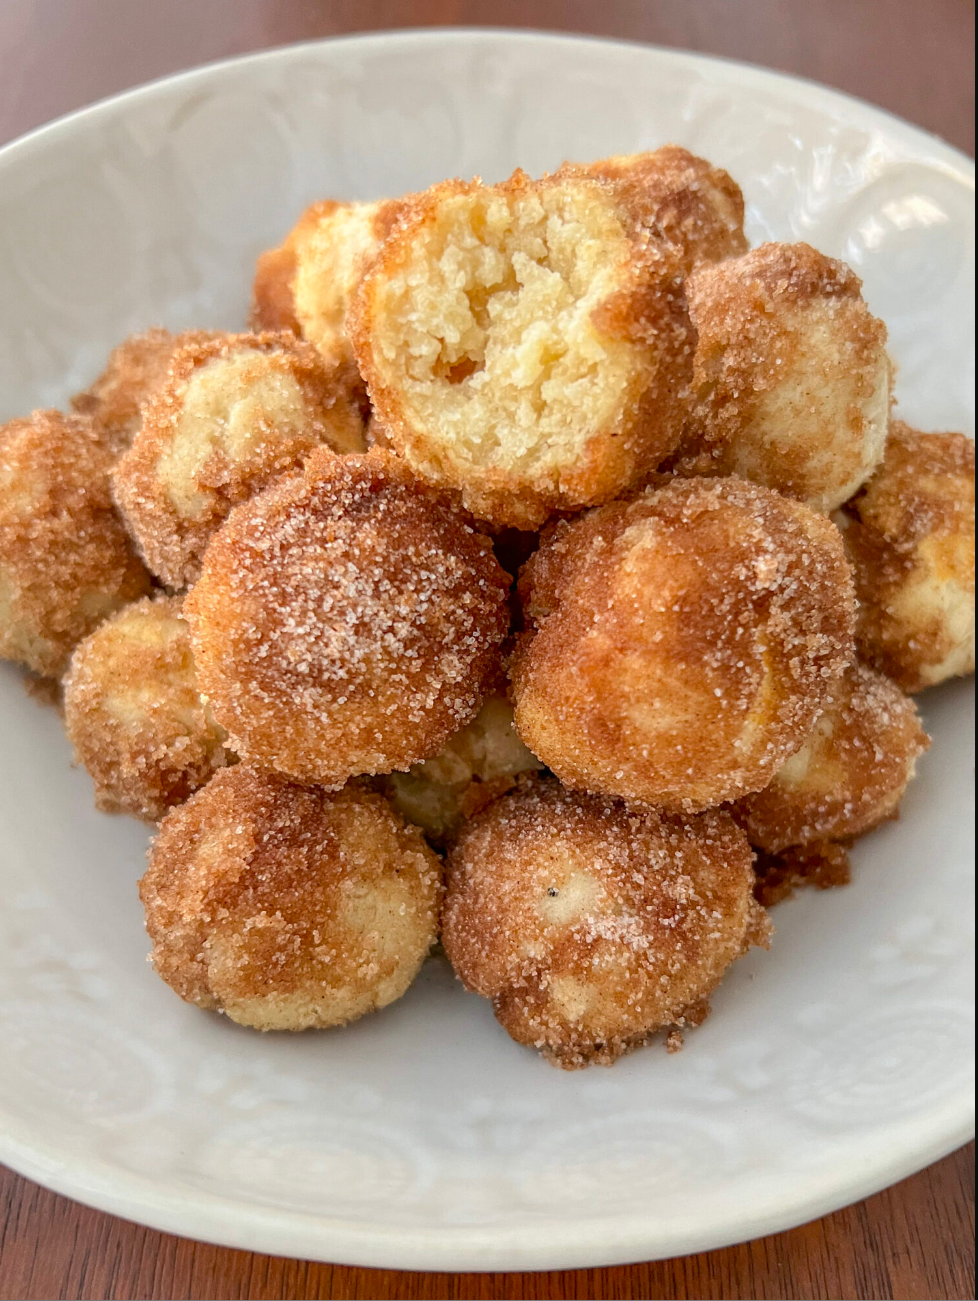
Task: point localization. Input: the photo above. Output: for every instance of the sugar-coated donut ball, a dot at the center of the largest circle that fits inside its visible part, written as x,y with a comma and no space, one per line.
134,713
849,775
287,907
479,762
66,561
236,411
305,284
911,537
134,371
348,620
696,207
526,343
791,379
591,925
681,645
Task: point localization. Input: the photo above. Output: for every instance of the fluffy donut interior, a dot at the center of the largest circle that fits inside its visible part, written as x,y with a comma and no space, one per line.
487,327
231,404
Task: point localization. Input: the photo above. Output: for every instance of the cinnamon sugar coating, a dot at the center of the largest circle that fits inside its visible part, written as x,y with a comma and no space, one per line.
65,559
591,925
526,343
286,907
133,372
235,412
791,379
680,198
819,865
911,537
680,646
348,620
134,714
849,775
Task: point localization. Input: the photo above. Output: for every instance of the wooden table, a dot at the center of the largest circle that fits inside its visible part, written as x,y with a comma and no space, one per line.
914,57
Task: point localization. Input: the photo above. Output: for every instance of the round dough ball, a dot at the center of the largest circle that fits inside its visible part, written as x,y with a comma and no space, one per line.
525,343
791,378
236,411
65,559
286,907
482,760
680,646
848,776
590,925
911,538
696,207
305,284
134,371
348,620
134,713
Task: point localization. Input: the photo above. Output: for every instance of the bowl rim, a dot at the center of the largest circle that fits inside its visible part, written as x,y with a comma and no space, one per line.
873,1163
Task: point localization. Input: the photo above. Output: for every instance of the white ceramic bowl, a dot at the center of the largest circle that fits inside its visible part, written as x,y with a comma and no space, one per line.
423,1137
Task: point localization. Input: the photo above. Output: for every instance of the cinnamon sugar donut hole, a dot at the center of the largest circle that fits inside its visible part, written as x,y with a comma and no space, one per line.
305,284
476,764
348,620
134,714
911,537
66,561
527,343
236,411
680,646
791,378
591,925
134,371
683,199
286,907
849,775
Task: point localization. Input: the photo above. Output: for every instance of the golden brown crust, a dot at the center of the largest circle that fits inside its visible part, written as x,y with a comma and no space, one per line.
591,925
134,714
348,620
911,537
680,646
679,198
286,907
849,775
526,344
791,378
134,371
273,303
65,559
236,411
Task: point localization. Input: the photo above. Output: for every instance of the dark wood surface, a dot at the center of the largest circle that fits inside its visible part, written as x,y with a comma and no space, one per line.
914,57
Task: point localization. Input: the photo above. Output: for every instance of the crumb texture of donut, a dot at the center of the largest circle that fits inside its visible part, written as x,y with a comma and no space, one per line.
685,200
911,537
849,775
791,379
235,412
527,344
134,714
680,646
591,925
287,907
66,561
348,620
